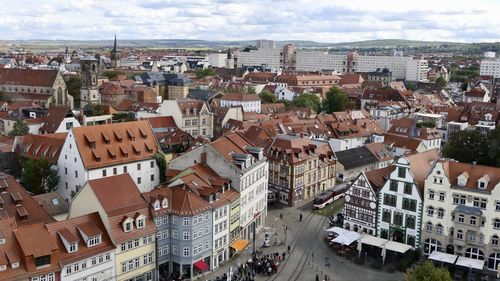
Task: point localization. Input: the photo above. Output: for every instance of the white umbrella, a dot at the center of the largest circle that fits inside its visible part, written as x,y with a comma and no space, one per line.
359,247
384,252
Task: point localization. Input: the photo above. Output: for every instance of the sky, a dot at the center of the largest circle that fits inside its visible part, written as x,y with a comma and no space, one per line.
330,21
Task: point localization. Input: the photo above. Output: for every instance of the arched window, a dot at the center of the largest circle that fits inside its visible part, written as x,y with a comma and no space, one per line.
430,211
428,226
440,213
431,245
460,234
461,218
496,223
474,253
494,240
493,261
439,229
472,220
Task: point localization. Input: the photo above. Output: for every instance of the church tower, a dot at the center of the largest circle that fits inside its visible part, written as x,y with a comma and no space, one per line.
89,92
229,60
115,56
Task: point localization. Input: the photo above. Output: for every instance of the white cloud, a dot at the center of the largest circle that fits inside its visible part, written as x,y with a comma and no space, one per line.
318,20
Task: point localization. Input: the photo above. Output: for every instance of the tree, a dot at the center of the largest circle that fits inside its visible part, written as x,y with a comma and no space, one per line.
74,84
336,100
426,271
111,74
493,150
203,72
441,82
38,176
20,129
267,97
467,146
410,86
308,100
162,166
123,117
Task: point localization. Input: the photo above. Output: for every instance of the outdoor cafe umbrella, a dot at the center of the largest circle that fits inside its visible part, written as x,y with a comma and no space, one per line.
384,251
359,247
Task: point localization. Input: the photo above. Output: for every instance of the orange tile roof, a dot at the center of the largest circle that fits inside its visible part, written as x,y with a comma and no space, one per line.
41,146
127,142
240,97
120,197
10,251
182,201
454,169
72,227
54,117
27,77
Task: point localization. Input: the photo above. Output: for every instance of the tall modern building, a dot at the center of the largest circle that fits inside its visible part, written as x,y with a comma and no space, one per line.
490,66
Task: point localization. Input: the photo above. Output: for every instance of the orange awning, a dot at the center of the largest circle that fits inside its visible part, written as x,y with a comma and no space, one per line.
239,244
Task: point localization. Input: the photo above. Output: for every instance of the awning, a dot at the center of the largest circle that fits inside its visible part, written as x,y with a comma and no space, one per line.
347,238
397,247
337,230
239,244
443,257
468,262
373,241
201,265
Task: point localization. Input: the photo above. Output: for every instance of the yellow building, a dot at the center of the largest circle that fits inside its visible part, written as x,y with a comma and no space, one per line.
126,217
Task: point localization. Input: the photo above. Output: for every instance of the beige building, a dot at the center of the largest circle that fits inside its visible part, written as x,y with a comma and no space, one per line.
461,214
191,116
128,221
175,92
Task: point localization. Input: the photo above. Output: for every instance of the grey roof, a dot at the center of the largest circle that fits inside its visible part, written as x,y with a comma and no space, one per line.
469,210
355,157
199,94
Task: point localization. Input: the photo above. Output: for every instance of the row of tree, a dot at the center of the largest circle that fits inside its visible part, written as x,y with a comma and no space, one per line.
335,100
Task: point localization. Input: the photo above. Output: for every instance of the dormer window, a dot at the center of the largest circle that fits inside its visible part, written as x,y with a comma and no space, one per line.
73,247
95,240
140,221
462,179
127,224
156,205
164,203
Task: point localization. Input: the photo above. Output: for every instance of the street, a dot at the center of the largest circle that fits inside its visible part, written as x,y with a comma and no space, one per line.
309,255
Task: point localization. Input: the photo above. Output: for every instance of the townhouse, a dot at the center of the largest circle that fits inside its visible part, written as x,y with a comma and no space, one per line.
400,200
299,168
249,102
412,129
93,152
234,157
128,221
191,116
461,213
85,250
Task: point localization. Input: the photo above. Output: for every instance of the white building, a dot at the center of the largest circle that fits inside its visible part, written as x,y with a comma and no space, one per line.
191,116
490,66
234,157
262,57
94,152
416,70
249,102
268,44
461,211
217,59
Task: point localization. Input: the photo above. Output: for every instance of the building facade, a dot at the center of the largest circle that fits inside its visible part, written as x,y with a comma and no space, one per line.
191,116
249,102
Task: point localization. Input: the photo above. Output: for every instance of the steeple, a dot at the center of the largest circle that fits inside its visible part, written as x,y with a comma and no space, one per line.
114,45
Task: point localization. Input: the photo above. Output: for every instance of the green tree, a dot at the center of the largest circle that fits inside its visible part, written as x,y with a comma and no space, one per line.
74,84
267,97
161,162
111,74
467,146
493,151
38,176
308,100
20,129
426,271
123,117
410,86
202,73
336,100
441,82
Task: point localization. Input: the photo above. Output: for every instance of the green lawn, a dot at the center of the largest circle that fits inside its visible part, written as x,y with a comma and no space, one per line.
331,209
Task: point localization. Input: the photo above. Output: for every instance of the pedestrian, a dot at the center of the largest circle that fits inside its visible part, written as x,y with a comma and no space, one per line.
300,217
289,249
284,255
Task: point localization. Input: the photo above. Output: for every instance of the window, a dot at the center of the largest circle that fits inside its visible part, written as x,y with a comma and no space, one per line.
407,188
76,174
431,194
185,235
393,186
401,172
461,218
147,258
409,204
390,200
128,226
140,223
174,250
460,234
94,240
430,211
185,221
440,213
73,247
428,227
147,239
472,220
441,196
398,218
496,224
410,221
115,171
459,199
139,180
104,172
138,166
494,240
152,164
41,261
439,229
174,233
474,253
153,177
124,169
497,206
185,251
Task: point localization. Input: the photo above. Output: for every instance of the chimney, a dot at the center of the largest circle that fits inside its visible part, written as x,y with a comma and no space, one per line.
203,158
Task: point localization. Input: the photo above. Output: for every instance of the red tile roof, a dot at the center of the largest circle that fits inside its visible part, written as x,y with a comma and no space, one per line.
161,122
27,77
240,97
41,146
54,118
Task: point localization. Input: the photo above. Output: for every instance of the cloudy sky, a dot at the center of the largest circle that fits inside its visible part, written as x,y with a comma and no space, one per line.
318,20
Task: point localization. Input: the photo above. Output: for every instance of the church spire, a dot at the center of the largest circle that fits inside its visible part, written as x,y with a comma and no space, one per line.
114,45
